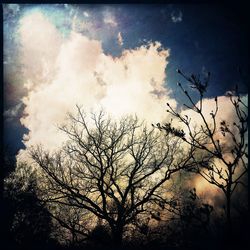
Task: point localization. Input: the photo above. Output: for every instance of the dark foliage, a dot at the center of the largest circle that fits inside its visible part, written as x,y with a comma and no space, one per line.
27,222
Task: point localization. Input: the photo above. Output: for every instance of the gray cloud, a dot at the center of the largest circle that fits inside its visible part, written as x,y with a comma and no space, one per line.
13,112
176,17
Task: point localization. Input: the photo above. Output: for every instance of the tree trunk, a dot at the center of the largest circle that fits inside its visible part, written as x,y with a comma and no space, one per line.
228,216
228,205
117,233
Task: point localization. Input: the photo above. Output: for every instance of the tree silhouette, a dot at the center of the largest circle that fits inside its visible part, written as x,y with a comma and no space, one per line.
221,156
189,223
111,170
29,224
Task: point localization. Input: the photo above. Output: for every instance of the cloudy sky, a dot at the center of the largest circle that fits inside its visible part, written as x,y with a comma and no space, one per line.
120,57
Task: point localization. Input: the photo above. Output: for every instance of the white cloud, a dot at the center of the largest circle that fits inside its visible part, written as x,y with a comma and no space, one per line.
83,74
120,39
40,46
109,19
85,13
176,17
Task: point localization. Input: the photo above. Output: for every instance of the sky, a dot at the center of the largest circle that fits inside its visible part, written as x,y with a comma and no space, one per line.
119,57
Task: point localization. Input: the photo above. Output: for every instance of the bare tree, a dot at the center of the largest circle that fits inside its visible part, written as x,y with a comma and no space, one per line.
113,170
221,157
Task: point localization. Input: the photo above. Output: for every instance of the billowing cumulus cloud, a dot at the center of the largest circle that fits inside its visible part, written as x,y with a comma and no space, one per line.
62,72
38,50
